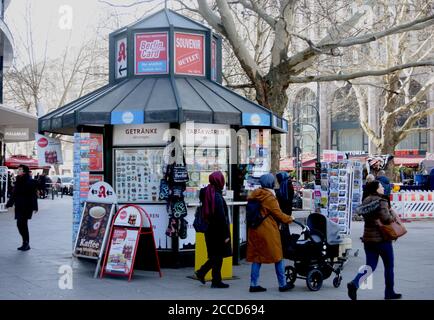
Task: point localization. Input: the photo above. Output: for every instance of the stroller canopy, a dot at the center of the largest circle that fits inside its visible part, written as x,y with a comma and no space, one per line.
330,229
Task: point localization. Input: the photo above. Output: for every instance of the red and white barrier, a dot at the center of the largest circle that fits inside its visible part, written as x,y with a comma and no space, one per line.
413,204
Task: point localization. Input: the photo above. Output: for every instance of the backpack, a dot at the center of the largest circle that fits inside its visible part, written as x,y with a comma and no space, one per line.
253,214
200,224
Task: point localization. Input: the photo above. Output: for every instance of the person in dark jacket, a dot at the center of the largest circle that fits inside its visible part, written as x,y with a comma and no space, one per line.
24,197
217,236
285,193
375,207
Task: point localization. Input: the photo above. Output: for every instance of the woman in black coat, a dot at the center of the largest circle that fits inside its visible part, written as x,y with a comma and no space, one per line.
217,236
24,197
285,194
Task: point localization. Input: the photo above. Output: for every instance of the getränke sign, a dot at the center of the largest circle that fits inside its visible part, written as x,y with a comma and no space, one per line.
140,134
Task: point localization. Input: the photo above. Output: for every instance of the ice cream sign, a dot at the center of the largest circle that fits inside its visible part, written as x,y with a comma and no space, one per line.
189,54
151,56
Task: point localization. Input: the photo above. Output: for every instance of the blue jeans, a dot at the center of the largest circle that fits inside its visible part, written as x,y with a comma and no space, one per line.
280,273
373,252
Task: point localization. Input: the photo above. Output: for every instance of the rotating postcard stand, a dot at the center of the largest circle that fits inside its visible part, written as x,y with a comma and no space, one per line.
125,232
95,219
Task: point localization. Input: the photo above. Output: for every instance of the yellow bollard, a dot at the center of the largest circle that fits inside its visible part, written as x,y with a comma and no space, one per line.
201,257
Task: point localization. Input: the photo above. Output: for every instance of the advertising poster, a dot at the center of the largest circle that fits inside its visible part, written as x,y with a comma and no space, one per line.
94,178
49,150
189,54
95,221
122,247
121,70
151,53
96,156
214,60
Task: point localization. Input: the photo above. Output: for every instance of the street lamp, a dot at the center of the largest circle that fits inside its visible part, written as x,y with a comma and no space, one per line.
318,131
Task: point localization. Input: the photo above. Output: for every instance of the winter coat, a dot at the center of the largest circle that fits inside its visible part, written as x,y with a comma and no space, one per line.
264,244
286,204
24,197
373,208
218,228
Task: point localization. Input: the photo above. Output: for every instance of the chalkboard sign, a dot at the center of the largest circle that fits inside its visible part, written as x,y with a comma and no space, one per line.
95,222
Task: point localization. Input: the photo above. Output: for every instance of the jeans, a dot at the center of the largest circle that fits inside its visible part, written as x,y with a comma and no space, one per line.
280,273
373,252
214,263
23,229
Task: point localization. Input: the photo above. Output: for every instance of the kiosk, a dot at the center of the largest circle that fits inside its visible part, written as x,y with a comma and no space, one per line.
165,85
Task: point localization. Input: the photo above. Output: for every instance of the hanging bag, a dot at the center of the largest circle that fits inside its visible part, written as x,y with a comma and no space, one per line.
200,224
393,230
179,173
164,190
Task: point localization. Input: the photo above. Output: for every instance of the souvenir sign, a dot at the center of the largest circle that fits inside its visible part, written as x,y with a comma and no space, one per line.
189,54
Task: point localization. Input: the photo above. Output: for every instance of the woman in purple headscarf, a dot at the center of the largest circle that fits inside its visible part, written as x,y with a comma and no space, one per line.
217,236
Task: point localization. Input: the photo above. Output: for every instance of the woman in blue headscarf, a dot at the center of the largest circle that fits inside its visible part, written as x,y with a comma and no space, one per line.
285,193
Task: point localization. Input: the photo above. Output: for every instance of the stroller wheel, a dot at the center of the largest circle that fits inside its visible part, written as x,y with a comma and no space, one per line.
291,274
337,281
314,280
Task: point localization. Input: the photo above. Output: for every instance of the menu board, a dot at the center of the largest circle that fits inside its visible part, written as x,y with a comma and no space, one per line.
201,162
122,248
93,226
137,174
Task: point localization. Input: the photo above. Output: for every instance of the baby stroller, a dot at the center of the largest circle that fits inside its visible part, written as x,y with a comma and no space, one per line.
315,252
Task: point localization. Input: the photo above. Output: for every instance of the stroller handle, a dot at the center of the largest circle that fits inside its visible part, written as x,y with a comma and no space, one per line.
303,226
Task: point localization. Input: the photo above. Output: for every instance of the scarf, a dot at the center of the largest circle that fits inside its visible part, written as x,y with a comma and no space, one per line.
267,181
216,183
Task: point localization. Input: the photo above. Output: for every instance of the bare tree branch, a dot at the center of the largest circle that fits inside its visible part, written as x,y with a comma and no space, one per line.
361,74
252,5
133,4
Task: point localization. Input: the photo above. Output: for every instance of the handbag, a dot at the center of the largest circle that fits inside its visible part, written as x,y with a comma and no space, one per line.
179,209
164,190
393,230
200,224
179,173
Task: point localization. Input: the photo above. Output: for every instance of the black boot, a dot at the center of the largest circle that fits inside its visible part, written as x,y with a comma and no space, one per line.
24,247
219,285
352,290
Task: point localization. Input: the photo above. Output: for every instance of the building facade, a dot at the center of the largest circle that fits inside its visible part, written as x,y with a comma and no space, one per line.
338,105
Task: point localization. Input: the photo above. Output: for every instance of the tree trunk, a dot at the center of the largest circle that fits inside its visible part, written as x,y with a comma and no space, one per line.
272,95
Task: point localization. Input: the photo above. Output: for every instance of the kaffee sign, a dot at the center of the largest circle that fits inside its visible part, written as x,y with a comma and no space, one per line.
131,135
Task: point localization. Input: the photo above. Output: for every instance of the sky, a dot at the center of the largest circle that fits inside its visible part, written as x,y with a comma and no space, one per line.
63,22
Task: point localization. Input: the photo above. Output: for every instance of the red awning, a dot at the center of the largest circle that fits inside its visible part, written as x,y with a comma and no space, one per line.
14,161
409,161
287,164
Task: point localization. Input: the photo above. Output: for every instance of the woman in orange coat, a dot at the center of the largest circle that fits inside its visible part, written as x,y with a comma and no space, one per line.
264,243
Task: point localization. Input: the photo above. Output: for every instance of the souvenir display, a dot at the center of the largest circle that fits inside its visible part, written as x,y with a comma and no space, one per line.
138,174
201,162
341,189
259,157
